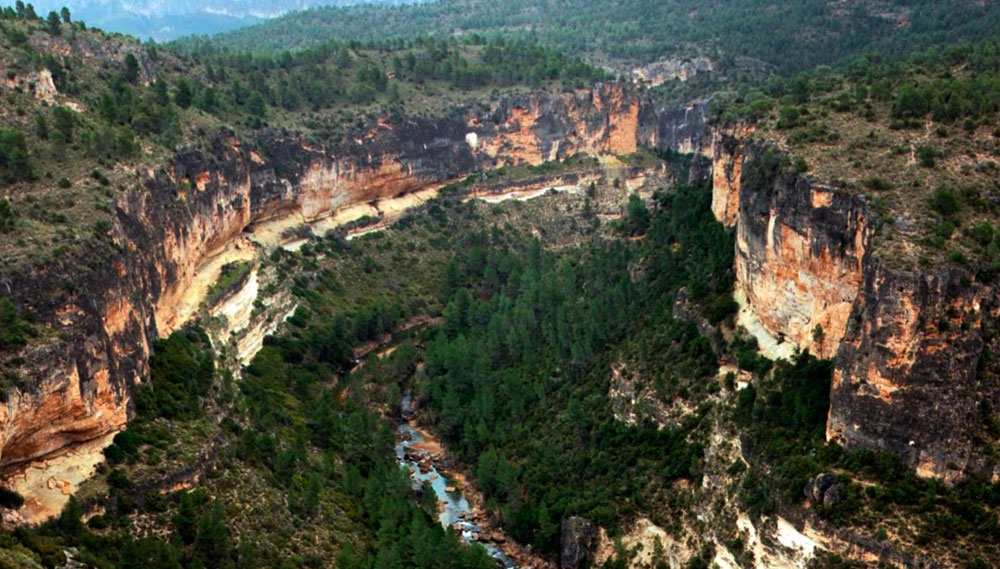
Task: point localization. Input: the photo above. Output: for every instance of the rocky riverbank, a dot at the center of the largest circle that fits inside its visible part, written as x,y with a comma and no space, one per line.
460,504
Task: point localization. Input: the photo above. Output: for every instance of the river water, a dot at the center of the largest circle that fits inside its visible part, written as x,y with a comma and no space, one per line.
456,507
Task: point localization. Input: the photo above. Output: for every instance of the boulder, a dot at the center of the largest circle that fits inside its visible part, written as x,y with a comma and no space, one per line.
824,490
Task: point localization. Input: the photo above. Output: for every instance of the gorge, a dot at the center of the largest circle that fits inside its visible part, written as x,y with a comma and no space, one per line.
803,266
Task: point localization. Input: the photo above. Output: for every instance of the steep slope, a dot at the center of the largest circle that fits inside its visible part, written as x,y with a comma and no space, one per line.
910,346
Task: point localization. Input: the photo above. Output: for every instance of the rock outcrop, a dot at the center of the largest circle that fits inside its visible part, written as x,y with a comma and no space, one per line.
147,275
726,153
799,251
914,372
577,538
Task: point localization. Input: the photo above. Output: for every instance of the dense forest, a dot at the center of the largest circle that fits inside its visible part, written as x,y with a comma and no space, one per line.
519,372
791,36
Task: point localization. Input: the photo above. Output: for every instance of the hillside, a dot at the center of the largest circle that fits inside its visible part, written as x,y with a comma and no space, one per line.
790,36
917,139
79,130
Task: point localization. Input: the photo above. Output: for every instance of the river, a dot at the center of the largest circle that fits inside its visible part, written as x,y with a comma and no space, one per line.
455,510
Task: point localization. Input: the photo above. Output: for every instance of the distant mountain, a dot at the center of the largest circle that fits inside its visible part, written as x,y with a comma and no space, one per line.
164,20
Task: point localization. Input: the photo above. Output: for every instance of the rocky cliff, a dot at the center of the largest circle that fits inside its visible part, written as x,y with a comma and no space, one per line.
915,372
167,236
913,349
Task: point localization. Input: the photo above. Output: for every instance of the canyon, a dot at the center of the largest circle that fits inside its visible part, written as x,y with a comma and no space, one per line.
910,346
235,199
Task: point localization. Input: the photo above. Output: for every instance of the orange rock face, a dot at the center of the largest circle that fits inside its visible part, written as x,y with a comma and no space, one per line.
800,247
914,369
799,286
727,169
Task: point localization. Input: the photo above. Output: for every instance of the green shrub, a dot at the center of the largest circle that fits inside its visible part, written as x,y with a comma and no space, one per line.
8,217
14,163
926,156
876,183
789,117
981,233
14,330
946,202
118,479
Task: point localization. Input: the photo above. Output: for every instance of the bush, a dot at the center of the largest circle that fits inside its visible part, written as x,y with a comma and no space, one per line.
926,156
118,479
14,330
8,217
14,163
789,117
981,233
876,183
946,202
64,183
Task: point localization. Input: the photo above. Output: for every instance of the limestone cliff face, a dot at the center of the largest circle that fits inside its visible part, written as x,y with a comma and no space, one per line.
726,153
799,251
914,372
145,282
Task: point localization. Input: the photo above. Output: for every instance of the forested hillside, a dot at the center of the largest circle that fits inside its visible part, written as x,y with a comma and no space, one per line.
81,126
791,36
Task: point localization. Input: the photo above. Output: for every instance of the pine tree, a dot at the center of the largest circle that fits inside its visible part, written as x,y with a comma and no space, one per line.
65,121
131,68
41,127
65,15
211,545
71,518
55,26
547,529
186,519
14,163
183,96
159,94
